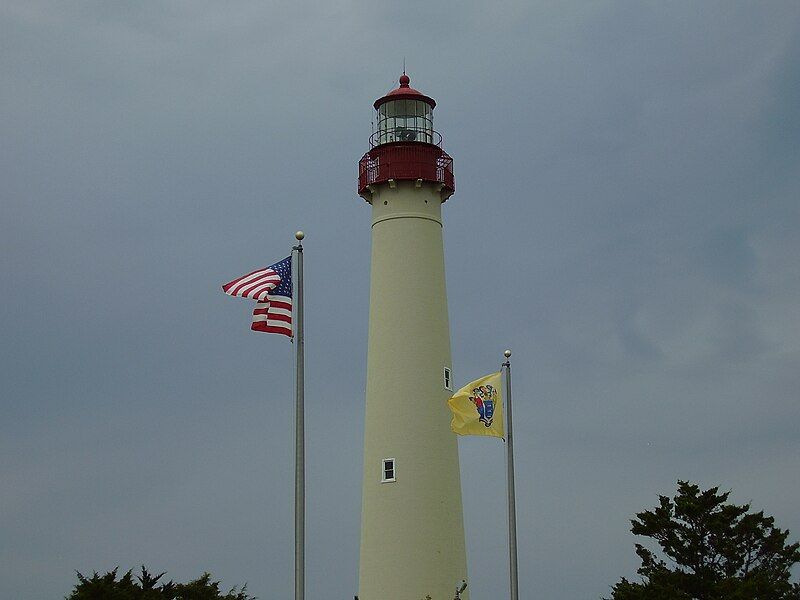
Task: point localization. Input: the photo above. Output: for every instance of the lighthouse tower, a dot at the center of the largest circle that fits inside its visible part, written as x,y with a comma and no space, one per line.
412,530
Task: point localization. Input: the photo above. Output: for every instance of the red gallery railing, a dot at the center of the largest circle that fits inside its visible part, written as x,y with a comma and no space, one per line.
406,161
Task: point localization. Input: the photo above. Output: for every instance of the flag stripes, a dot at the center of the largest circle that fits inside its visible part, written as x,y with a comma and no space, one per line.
255,285
274,316
272,289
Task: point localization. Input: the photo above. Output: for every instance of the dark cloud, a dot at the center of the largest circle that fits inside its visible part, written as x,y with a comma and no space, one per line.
625,220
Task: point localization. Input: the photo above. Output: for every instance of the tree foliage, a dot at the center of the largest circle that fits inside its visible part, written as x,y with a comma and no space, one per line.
148,586
710,550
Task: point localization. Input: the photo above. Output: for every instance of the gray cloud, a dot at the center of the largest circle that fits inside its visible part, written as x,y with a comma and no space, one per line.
625,220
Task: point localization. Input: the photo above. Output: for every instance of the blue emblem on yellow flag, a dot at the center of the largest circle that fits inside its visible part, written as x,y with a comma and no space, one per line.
477,408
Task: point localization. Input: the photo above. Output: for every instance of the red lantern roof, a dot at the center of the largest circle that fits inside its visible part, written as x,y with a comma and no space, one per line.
404,92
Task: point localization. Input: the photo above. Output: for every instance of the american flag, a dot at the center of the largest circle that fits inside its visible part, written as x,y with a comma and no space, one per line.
271,288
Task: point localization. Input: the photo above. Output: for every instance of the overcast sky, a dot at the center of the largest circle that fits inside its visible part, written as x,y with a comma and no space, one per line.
625,220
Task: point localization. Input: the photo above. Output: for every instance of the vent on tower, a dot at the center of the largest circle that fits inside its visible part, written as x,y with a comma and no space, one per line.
448,379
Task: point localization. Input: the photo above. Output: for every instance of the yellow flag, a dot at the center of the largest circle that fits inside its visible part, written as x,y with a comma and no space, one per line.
478,408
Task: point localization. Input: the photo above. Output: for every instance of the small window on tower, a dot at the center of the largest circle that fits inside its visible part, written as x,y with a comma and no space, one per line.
388,470
448,379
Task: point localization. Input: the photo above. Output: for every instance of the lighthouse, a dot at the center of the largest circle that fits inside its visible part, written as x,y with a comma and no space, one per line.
412,529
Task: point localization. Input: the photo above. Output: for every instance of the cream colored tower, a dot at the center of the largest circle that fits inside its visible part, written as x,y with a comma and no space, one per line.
412,531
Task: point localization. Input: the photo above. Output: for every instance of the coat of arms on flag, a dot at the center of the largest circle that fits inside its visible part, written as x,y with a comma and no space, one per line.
483,398
271,288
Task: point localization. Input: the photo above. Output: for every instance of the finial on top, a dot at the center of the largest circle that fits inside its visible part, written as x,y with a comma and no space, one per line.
299,235
507,353
404,80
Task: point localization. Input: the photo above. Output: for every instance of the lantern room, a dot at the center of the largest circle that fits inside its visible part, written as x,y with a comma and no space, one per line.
404,115
405,146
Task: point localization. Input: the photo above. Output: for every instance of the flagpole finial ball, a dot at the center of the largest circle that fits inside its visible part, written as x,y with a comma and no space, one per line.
299,235
507,353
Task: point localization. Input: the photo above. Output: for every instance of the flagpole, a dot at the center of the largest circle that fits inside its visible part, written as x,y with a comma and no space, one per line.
299,436
512,505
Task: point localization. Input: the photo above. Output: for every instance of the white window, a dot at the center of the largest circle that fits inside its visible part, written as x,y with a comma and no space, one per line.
448,379
388,474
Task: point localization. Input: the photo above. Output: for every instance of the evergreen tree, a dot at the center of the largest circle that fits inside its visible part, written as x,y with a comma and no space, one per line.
147,587
710,550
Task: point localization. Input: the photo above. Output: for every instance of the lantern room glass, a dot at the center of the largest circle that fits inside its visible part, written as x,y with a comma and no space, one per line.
405,121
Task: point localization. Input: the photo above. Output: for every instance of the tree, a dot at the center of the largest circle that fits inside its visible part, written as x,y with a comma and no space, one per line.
713,551
147,587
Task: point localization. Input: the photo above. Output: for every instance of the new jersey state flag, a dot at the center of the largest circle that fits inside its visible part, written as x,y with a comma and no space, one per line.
478,407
